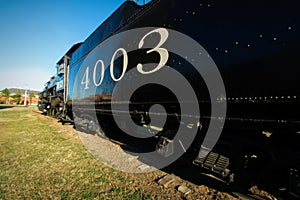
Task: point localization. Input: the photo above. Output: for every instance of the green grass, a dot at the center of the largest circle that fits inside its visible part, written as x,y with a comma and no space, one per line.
38,161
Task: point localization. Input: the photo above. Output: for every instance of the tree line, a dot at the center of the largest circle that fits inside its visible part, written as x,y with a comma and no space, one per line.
16,98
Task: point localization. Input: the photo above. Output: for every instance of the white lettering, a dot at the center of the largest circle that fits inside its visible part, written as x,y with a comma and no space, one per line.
101,75
85,79
125,64
164,54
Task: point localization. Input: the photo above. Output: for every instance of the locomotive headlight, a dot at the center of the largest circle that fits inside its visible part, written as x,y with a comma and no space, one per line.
48,106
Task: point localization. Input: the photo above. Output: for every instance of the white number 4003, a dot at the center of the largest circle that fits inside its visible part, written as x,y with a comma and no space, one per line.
163,53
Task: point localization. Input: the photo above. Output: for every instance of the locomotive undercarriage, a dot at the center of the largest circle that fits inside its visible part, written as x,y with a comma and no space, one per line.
241,156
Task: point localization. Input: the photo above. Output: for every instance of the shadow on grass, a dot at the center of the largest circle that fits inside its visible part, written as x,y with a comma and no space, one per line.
5,106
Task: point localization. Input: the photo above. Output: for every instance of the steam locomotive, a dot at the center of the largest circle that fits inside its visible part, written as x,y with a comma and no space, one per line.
254,45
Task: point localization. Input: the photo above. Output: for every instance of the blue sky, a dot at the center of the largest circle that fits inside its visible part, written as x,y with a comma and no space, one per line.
35,34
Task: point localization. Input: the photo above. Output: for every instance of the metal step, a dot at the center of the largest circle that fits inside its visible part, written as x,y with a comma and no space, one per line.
214,162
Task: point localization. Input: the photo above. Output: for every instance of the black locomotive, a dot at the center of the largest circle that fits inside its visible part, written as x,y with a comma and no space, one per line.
255,46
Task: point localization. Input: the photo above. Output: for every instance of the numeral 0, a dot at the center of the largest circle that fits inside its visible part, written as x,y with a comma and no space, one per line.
102,73
125,64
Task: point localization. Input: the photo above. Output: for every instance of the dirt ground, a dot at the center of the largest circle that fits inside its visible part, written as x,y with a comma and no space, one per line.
158,184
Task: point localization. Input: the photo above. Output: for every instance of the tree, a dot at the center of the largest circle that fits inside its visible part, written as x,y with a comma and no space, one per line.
31,95
6,94
17,97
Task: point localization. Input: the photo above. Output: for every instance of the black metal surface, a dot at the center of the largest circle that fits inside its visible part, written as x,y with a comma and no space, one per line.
254,45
